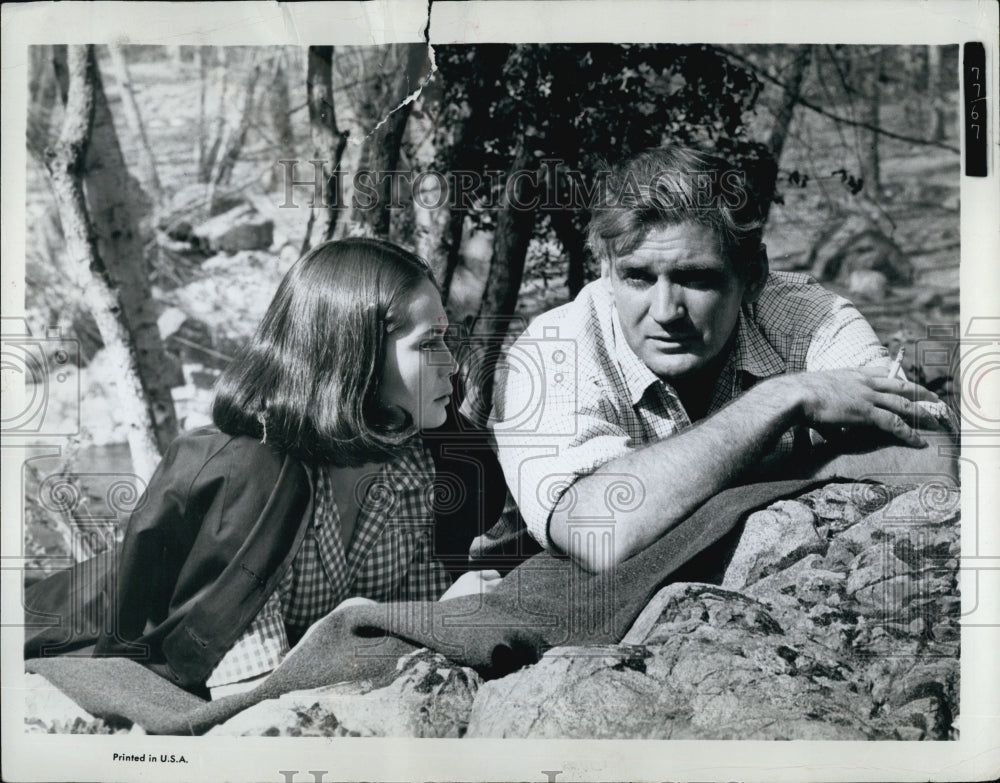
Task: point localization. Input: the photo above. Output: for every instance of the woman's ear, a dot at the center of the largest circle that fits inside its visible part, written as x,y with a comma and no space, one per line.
755,275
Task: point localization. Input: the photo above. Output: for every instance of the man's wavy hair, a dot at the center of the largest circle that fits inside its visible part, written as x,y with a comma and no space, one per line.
672,185
308,381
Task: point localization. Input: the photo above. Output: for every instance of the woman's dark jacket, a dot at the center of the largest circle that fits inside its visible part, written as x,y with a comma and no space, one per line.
220,522
217,528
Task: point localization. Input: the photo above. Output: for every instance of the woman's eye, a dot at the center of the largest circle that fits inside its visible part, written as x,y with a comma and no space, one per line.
433,345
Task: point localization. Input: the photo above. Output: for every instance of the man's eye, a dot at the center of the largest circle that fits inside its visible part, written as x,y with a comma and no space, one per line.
637,277
701,282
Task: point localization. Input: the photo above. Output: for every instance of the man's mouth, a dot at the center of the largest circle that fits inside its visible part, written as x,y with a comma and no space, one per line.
667,340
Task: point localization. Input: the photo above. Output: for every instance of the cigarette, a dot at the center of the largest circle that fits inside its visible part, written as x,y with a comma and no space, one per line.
896,364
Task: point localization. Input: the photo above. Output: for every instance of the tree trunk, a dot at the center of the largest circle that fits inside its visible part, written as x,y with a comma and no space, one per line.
328,140
176,57
935,103
230,152
868,139
66,162
221,79
575,247
280,107
511,237
380,153
202,131
116,202
45,87
783,118
510,242
452,246
441,245
147,163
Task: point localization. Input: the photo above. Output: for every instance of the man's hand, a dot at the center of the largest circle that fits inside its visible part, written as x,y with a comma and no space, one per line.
862,397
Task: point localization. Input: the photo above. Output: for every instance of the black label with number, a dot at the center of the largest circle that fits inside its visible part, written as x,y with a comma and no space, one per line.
974,77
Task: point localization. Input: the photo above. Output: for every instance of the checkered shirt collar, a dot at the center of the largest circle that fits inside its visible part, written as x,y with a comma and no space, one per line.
752,354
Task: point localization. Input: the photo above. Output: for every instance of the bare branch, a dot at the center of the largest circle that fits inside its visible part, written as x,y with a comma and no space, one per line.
844,120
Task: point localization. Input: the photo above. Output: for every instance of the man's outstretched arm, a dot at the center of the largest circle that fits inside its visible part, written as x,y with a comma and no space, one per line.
682,471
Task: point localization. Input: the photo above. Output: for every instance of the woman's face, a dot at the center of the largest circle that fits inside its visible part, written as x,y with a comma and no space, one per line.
418,366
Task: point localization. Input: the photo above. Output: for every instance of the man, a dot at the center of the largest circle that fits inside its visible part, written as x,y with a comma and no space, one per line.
687,368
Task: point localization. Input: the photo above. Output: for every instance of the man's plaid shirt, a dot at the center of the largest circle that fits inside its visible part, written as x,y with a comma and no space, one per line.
390,558
571,395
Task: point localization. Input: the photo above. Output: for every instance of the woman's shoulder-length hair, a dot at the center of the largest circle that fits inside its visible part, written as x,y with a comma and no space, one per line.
307,382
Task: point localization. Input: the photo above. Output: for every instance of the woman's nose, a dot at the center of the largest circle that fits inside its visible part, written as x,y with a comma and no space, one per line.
444,361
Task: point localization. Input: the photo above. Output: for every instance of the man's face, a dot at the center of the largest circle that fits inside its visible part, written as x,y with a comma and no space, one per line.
678,299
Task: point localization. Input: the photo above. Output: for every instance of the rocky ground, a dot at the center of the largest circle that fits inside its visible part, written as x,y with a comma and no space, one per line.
837,619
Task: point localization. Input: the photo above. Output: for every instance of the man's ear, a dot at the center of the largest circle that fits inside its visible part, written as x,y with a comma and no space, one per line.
755,275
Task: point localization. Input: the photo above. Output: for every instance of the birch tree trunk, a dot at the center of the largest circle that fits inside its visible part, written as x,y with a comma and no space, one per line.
202,131
66,162
936,105
147,163
220,79
231,150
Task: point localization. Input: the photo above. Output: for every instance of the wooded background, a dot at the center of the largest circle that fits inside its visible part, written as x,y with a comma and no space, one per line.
159,221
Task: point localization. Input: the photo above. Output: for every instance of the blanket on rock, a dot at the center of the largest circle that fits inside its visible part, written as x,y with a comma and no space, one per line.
545,602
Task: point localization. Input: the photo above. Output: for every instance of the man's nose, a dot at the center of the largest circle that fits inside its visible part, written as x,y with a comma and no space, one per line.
668,302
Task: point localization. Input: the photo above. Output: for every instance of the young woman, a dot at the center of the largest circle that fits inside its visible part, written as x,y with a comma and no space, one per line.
314,486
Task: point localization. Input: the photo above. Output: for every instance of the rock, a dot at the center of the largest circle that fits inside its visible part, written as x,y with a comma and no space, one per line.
297,714
192,200
429,697
716,667
230,299
773,539
49,711
836,506
868,283
806,579
855,640
858,243
241,228
170,321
